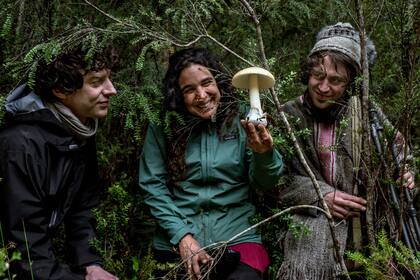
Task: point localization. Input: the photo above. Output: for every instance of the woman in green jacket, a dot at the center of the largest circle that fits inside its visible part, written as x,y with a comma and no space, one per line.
197,178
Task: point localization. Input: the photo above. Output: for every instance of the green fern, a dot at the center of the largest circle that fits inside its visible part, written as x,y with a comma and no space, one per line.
170,117
387,261
32,74
142,56
92,46
7,27
137,107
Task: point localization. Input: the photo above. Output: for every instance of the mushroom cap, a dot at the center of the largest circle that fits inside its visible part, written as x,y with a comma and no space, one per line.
265,78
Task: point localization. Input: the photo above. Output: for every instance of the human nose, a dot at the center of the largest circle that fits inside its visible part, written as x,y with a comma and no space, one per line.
324,86
109,88
200,93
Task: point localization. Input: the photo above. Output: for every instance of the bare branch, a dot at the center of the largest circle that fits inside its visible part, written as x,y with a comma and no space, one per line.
228,49
275,216
164,36
219,247
104,13
258,30
379,15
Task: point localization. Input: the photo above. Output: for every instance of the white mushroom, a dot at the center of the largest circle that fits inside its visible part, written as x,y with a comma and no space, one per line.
254,79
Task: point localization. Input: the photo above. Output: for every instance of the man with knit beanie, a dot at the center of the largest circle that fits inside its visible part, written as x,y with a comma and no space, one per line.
48,167
332,151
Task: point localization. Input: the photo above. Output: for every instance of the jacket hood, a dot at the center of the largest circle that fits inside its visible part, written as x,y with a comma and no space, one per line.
23,100
24,106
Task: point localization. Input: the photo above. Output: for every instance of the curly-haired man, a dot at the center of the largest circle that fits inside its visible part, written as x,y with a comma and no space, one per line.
49,167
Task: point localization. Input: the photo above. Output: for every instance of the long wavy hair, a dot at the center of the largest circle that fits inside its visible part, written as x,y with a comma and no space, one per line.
174,101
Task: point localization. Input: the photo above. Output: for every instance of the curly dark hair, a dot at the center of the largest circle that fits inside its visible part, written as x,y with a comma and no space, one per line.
174,101
337,58
67,70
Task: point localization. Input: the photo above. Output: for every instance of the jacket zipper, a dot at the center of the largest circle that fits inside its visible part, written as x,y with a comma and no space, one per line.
53,219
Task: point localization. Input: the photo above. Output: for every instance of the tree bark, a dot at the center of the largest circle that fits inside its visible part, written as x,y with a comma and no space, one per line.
370,184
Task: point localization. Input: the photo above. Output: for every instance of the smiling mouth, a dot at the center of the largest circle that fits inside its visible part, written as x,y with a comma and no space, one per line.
323,96
206,107
103,104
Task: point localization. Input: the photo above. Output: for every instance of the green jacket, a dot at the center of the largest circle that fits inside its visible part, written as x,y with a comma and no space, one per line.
213,201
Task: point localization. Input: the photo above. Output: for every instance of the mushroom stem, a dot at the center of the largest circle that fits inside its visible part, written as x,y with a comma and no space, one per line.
254,94
255,114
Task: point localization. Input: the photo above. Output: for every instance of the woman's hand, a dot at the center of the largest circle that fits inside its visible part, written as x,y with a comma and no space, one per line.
343,205
193,256
259,138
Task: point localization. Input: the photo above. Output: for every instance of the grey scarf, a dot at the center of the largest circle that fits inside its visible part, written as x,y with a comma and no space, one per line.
65,115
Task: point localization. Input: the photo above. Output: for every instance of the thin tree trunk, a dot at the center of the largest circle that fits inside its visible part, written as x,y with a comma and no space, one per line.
370,184
20,18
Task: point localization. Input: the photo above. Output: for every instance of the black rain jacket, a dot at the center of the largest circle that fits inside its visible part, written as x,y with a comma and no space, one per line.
48,178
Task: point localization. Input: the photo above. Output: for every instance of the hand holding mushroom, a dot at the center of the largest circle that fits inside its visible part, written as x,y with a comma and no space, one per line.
259,138
255,125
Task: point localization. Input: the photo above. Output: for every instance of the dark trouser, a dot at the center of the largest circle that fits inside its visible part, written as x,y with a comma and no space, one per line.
45,269
244,272
241,271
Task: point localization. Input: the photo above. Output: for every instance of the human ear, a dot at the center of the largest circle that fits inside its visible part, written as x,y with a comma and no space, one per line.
59,94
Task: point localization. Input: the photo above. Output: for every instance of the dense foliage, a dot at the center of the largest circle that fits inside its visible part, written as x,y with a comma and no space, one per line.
145,33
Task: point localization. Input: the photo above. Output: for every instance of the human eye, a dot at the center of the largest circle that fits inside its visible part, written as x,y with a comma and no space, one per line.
96,78
187,90
336,81
318,74
96,82
207,82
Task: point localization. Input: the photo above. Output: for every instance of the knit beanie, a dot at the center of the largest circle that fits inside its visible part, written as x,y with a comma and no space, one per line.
343,38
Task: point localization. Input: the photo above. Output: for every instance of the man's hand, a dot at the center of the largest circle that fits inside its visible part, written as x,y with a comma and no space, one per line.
343,205
94,272
259,138
193,256
407,180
